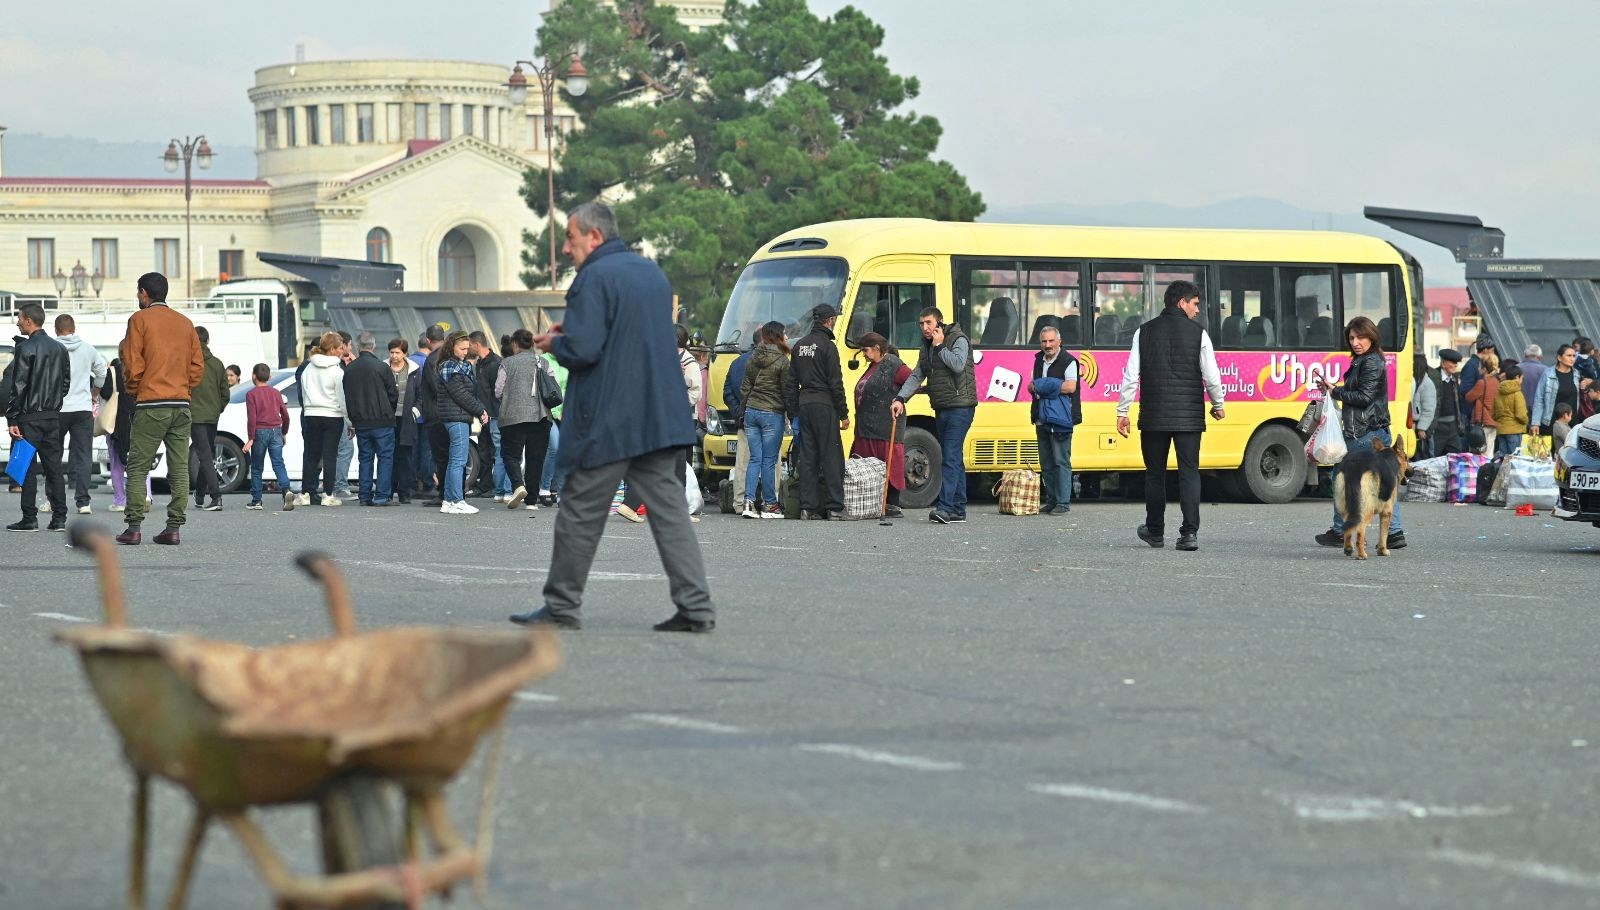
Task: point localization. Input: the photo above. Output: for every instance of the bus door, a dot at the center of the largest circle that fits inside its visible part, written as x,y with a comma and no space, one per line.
891,291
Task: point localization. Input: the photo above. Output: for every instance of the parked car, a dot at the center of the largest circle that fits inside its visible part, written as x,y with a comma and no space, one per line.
1578,474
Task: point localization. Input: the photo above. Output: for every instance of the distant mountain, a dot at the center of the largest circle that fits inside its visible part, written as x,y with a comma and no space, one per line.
37,155
1439,268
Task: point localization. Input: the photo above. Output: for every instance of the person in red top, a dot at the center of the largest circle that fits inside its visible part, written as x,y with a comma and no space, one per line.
874,419
267,420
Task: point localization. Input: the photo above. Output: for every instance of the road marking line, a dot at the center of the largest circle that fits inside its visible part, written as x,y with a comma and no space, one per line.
1346,584
535,696
1525,868
909,762
957,559
1518,596
771,547
409,571
62,617
1340,809
1119,797
620,537
1181,575
687,723
1078,568
428,574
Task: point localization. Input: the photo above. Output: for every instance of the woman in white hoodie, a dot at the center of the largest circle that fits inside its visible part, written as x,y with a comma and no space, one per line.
322,417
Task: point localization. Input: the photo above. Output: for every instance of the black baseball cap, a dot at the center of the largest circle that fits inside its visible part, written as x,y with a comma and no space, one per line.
823,312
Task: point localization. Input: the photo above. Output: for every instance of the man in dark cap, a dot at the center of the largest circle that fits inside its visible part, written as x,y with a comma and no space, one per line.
816,387
1446,430
1475,369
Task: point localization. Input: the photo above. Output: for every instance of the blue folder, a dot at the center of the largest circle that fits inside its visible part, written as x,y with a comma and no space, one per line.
22,456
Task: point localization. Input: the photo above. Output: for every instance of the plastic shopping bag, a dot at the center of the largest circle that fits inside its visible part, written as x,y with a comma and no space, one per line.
697,500
1327,443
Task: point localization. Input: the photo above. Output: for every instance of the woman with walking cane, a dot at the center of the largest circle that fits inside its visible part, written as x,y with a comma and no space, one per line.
877,429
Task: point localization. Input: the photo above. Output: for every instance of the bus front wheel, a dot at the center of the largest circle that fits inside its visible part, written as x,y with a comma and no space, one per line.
923,457
1274,466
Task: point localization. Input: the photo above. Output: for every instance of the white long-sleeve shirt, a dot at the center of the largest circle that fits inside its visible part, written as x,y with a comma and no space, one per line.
1208,370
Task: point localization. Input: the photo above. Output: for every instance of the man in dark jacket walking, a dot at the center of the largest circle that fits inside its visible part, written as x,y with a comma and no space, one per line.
205,406
949,368
626,418
817,386
40,373
1172,367
370,398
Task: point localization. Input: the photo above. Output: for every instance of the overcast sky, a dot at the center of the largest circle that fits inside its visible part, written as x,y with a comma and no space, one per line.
1464,106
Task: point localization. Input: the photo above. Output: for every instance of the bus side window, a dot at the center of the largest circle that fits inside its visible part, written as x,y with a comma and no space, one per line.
1366,292
1312,323
1249,307
1118,298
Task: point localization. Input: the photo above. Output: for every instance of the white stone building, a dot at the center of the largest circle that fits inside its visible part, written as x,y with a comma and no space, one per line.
418,162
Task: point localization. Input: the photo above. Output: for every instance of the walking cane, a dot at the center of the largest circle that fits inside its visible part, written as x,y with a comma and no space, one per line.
888,470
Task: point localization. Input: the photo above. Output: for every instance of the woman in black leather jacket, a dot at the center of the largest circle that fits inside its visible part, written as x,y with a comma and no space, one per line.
1365,415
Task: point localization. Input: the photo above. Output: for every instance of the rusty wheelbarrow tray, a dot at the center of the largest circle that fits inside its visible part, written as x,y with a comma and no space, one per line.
238,727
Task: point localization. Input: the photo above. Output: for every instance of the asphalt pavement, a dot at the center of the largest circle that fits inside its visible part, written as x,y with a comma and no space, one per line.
1029,712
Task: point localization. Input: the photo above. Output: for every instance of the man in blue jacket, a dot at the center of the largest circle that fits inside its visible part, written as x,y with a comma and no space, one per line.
626,418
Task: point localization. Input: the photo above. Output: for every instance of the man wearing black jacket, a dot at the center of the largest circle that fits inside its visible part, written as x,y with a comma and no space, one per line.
434,435
40,376
488,373
816,386
371,398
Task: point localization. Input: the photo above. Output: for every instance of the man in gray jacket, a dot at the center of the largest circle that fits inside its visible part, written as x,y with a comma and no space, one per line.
77,409
1424,408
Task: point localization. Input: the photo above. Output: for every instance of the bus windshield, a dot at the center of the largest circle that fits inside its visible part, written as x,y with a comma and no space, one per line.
784,290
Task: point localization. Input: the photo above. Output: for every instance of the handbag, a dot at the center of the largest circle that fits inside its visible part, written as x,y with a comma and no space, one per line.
105,419
1311,417
547,389
1018,492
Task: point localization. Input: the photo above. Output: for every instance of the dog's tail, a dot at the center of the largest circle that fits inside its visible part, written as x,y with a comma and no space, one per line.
1352,498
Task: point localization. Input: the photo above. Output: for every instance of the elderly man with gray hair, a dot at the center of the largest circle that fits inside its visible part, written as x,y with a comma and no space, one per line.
1533,368
370,401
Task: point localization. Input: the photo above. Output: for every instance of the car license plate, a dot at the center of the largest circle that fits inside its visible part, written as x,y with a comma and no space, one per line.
733,447
1583,480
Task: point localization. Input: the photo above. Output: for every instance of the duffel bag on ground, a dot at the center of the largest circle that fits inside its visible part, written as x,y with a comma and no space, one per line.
1491,485
863,487
1018,492
1464,476
789,493
1530,481
1429,480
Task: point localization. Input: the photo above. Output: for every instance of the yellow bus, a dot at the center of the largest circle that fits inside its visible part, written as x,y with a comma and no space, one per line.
1275,306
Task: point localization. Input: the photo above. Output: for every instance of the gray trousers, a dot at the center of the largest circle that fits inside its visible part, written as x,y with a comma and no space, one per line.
347,454
581,519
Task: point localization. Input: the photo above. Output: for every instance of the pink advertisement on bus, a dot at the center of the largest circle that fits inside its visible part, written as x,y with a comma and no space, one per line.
1003,375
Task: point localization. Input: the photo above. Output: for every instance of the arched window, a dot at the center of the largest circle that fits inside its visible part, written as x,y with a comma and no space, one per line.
458,263
377,245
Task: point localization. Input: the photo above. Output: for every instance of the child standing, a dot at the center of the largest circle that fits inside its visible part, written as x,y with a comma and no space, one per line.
267,420
1561,424
1510,412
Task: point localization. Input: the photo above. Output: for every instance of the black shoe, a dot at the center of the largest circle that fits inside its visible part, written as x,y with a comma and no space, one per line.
938,517
894,512
681,623
23,525
380,505
1155,540
366,502
808,515
60,524
1059,510
950,519
543,616
431,503
405,500
1330,538
1396,541
216,504
1187,542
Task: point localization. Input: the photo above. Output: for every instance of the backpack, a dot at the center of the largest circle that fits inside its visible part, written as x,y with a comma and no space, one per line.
1487,475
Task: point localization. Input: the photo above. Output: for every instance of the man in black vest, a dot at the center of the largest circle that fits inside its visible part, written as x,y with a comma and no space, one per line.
1445,432
947,364
1172,367
818,386
1055,441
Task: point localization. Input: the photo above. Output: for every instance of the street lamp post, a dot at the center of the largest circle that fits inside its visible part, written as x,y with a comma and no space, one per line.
189,152
577,79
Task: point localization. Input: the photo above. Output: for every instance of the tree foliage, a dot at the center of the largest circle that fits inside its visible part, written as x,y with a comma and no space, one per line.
711,143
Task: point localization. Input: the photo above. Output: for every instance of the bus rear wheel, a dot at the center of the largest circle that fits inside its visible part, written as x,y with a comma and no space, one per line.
1274,468
923,458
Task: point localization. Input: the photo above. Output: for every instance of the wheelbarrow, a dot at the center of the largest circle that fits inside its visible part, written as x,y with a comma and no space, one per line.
340,722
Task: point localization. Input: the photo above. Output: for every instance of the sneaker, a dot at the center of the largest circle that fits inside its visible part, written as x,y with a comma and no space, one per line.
23,525
289,500
84,509
938,517
531,507
254,505
1154,539
1332,537
305,499
332,502
955,519
57,524
749,510
772,510
630,514
1396,540
501,497
466,508
447,508
216,504
517,497
115,507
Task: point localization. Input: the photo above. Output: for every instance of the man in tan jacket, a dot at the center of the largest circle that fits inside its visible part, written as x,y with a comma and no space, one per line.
161,363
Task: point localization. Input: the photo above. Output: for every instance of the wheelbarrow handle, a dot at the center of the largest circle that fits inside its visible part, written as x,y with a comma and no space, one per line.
321,568
97,540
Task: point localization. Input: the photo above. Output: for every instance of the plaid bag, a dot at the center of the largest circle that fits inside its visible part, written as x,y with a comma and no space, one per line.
863,487
1428,482
1019,492
1464,476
